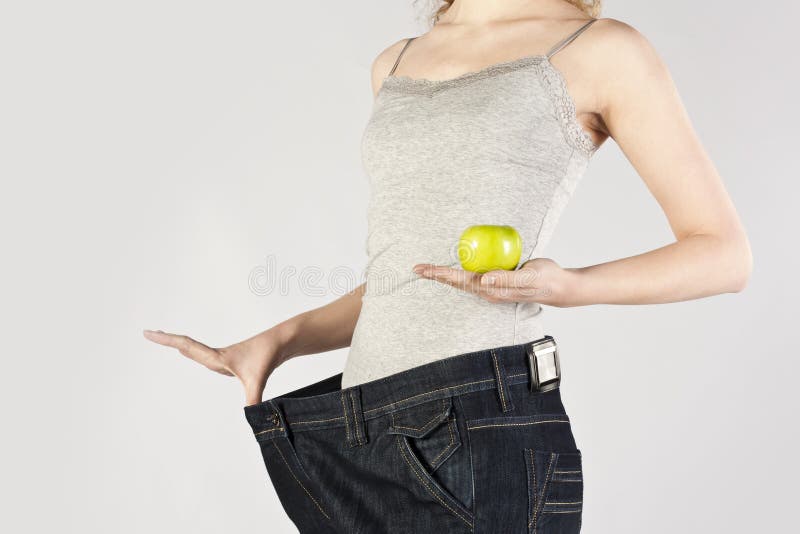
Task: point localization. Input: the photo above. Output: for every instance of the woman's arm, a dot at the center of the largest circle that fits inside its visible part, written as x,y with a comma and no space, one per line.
639,107
328,327
642,111
253,360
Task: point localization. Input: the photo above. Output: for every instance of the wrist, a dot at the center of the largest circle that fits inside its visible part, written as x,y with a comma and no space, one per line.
574,287
283,336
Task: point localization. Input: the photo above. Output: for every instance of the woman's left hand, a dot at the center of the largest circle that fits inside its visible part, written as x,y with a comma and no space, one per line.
539,280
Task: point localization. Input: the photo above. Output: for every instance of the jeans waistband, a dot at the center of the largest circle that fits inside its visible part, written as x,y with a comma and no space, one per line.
324,404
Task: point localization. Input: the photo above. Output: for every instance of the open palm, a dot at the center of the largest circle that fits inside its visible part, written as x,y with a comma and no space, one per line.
251,361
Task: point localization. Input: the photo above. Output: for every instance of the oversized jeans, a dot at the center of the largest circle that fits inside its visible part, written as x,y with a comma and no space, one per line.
460,444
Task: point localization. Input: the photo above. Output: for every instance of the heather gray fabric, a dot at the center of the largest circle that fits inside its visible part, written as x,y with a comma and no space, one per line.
496,146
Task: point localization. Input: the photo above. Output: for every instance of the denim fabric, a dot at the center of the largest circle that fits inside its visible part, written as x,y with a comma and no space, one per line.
456,445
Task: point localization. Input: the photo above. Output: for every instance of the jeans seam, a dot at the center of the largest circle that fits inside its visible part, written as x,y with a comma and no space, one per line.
540,500
449,445
561,511
460,407
428,393
519,424
269,430
432,491
312,421
346,423
355,419
423,427
346,419
319,507
499,381
531,488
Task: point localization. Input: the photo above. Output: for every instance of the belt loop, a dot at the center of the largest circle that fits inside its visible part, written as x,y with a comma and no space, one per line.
355,427
501,378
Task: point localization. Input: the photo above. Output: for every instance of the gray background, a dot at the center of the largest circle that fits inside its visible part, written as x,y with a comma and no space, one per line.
154,154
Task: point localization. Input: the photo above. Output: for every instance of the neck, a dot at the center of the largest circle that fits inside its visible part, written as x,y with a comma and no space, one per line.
478,12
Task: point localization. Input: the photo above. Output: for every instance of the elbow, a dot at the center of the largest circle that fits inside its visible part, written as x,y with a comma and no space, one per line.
741,263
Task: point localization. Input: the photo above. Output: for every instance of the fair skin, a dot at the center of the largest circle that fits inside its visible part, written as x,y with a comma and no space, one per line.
605,70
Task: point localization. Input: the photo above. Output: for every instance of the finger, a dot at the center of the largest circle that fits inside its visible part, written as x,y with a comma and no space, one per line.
459,278
420,268
190,348
161,337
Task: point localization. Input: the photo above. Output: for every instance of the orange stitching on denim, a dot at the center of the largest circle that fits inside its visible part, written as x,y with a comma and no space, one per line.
532,472
426,393
346,426
452,441
435,417
538,508
519,424
401,400
270,430
298,481
499,380
430,490
308,422
561,511
355,418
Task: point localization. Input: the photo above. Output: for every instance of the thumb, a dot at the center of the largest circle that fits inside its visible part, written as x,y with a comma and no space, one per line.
253,394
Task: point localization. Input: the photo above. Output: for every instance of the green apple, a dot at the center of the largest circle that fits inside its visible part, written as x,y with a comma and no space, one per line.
486,247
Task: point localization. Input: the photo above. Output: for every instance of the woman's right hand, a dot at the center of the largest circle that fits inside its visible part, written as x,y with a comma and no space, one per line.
251,361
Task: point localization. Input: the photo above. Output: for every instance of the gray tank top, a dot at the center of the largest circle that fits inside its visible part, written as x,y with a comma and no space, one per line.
500,145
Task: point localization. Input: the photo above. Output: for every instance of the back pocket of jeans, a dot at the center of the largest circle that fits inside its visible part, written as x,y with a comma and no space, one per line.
429,444
555,490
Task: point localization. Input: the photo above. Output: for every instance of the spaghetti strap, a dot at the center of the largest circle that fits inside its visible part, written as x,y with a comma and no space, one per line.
564,42
397,61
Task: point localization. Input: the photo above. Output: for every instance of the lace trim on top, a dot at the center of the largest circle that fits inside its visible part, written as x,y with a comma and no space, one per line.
554,84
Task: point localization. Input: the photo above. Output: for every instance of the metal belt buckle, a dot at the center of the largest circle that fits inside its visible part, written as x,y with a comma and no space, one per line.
543,363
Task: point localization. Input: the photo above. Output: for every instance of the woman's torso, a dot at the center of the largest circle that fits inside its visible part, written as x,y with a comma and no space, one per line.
500,145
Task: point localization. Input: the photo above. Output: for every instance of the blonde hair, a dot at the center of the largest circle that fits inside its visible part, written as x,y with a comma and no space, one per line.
590,7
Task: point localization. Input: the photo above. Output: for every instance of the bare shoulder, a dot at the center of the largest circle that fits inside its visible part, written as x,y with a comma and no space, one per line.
615,46
383,63
614,35
622,57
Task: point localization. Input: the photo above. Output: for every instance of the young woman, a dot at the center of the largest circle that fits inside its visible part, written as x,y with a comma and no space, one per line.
448,415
